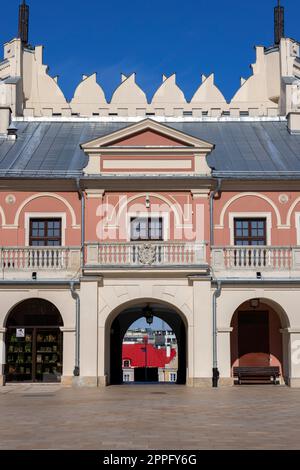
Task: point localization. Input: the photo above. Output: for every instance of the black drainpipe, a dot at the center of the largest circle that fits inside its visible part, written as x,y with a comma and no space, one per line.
74,293
211,210
76,297
215,371
82,199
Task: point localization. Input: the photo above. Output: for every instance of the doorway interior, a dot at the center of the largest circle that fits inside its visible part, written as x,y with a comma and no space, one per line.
118,360
34,343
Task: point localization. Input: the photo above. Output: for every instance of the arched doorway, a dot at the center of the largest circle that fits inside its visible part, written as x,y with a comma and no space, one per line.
256,337
149,351
34,342
122,322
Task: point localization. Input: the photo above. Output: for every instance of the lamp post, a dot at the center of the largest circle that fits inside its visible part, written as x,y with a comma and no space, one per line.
146,358
148,314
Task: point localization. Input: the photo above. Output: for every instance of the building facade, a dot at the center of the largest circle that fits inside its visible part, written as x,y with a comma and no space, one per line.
149,355
191,209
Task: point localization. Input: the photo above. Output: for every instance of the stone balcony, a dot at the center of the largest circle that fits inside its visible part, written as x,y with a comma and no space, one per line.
47,262
146,255
244,261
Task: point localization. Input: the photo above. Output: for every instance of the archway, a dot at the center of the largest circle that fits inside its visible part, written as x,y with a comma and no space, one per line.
256,337
34,342
127,317
149,351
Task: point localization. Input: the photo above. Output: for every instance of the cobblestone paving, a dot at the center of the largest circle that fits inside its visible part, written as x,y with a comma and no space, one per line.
149,417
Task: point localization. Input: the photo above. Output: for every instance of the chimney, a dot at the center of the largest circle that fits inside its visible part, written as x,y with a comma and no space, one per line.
294,123
278,23
23,23
5,120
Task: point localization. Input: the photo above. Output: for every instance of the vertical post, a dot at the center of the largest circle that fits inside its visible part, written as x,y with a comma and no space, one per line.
23,23
2,355
278,23
146,358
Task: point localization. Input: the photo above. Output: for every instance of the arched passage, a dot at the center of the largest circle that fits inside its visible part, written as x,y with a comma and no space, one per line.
120,324
256,337
149,352
34,342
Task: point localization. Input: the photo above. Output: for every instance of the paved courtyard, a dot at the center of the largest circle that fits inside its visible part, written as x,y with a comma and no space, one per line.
149,417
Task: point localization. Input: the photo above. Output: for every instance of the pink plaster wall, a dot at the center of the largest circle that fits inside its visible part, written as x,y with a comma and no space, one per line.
148,138
107,211
253,203
15,236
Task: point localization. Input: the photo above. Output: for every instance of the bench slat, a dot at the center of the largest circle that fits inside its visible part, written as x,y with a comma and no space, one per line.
256,373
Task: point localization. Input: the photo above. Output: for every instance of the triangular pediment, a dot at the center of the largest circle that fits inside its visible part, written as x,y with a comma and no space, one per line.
147,134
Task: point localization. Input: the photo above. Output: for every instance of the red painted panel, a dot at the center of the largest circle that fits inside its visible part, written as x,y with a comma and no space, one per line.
148,138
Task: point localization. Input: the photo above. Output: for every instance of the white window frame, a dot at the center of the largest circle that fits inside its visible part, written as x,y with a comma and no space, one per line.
250,215
46,215
148,215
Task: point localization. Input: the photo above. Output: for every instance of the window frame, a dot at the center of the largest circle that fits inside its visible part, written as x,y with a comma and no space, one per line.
46,238
250,215
45,215
148,218
250,237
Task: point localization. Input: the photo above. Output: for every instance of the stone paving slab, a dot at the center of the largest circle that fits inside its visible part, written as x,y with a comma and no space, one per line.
149,417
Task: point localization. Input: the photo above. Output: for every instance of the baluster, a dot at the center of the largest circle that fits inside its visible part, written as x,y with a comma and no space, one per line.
276,258
10,258
279,258
102,254
241,253
26,258
63,256
31,258
4,254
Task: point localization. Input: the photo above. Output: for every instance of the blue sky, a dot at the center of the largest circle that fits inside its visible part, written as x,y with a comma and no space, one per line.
150,38
157,324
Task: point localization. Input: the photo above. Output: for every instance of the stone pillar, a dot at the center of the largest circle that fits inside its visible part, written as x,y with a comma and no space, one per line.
202,333
68,354
224,355
103,350
293,343
2,355
88,333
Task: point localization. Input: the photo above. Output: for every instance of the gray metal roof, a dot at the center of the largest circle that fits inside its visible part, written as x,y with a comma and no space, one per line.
242,149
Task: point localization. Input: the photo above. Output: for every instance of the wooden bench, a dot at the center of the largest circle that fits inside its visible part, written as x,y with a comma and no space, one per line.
258,374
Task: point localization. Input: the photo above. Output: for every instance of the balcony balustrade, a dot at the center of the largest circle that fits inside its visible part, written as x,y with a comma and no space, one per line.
18,260
145,254
258,258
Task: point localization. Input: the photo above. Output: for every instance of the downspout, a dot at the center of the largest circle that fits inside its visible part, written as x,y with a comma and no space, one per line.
75,294
76,297
215,371
211,210
217,292
82,199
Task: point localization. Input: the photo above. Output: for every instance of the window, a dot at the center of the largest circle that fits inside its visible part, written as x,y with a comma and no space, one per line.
173,378
146,228
45,232
126,377
250,232
126,363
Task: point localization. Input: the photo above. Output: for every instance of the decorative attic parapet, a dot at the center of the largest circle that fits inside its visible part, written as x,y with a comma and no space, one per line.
29,90
128,99
89,98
